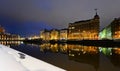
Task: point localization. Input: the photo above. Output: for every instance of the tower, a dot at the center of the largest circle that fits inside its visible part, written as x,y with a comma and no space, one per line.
96,15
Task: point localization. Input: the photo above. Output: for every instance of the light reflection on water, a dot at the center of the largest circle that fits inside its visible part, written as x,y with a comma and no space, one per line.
74,57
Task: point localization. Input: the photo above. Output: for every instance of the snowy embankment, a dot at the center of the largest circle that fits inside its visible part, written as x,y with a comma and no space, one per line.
12,60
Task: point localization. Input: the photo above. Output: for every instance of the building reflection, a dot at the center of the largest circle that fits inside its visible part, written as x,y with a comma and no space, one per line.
115,57
82,54
49,47
113,54
54,48
63,48
106,51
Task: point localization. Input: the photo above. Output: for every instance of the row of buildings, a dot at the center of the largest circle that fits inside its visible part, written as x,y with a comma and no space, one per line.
54,34
85,29
7,36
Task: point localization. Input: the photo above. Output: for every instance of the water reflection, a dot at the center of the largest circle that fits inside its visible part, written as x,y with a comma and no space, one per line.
76,57
85,54
65,48
113,54
82,54
115,57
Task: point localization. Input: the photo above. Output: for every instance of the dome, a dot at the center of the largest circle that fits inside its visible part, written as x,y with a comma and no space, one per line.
2,30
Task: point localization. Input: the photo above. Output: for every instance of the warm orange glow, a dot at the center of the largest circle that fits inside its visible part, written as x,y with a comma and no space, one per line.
117,50
86,29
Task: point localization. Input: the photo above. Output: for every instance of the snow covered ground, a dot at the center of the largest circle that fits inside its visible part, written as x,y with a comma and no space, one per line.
12,60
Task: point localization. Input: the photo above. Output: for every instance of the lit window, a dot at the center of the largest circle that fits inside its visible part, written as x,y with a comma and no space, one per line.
73,27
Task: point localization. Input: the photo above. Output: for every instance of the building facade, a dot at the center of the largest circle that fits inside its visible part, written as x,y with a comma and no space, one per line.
47,35
85,29
112,31
63,34
115,28
54,34
6,36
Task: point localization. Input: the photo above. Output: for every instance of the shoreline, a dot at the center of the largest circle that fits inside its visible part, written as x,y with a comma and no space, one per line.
104,43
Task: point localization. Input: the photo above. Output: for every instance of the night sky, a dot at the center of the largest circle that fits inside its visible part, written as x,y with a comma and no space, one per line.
28,17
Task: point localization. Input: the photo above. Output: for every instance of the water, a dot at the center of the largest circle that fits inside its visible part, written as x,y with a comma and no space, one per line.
73,57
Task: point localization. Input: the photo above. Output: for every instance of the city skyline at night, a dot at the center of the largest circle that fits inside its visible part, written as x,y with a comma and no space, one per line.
31,16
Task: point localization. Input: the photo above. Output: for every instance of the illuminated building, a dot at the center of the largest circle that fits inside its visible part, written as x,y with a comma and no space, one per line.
9,43
15,37
85,29
63,34
2,33
115,28
34,37
54,34
6,36
42,34
112,31
106,33
45,35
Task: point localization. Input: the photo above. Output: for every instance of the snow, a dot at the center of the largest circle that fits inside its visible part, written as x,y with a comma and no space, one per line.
10,60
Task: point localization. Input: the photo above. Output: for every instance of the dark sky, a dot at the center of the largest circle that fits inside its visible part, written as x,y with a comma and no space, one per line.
28,17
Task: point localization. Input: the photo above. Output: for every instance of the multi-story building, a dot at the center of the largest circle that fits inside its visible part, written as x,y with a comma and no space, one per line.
85,29
63,34
45,35
115,28
42,34
54,34
112,31
6,36
15,37
50,34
